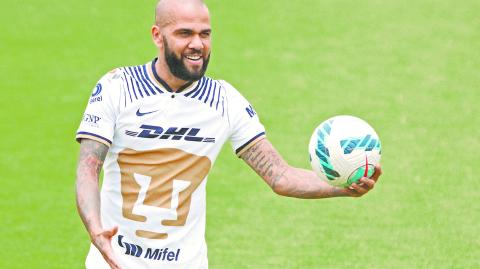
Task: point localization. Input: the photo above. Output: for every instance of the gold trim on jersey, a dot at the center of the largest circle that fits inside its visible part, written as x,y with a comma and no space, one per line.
249,145
162,167
85,136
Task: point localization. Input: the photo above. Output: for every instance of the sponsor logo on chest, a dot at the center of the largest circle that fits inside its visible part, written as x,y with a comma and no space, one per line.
170,133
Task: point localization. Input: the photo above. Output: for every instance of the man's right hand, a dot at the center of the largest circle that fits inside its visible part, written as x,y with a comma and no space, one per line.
102,242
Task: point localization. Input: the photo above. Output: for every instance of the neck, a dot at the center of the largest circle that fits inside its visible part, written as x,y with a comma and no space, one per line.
174,84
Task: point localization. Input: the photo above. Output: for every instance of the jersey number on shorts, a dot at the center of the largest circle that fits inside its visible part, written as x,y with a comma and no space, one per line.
162,178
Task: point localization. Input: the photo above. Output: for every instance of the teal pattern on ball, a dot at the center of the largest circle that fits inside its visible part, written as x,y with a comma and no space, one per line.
322,151
366,143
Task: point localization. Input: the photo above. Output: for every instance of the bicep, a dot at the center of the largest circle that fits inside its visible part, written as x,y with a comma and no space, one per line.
265,160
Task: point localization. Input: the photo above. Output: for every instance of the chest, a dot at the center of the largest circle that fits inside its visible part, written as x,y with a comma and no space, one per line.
172,121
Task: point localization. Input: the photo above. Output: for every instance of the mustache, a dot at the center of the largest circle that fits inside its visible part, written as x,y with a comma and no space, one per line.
194,51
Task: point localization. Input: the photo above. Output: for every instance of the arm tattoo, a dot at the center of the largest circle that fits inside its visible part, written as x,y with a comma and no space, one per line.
92,155
276,179
282,178
266,161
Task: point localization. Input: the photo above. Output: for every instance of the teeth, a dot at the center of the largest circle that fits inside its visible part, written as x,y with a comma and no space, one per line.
193,57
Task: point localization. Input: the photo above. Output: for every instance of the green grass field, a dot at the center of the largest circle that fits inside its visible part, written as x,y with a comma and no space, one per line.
410,69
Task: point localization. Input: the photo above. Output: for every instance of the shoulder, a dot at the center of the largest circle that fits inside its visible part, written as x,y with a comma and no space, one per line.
107,89
221,87
232,93
113,75
226,85
120,77
230,90
111,78
126,73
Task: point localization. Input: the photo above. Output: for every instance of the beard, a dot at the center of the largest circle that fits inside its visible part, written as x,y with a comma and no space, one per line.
179,69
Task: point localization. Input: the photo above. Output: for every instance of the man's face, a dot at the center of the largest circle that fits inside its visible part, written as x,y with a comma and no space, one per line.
186,66
186,42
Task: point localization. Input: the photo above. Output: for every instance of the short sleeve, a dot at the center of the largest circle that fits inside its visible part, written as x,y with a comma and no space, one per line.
245,126
98,121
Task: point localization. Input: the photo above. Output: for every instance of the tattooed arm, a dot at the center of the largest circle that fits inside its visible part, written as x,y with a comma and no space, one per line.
295,182
92,155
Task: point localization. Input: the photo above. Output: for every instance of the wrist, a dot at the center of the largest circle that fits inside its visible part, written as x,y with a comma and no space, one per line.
339,192
93,233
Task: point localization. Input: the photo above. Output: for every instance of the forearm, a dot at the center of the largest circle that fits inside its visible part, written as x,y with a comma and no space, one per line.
301,183
284,179
90,163
88,204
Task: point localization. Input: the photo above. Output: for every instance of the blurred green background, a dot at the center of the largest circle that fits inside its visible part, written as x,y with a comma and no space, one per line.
410,68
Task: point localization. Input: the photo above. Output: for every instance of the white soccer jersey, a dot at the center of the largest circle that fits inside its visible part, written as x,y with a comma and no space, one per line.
162,147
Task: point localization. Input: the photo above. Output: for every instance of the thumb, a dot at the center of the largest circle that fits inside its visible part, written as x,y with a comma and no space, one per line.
111,232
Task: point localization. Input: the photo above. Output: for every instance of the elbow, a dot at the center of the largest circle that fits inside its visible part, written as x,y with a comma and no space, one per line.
280,187
280,182
280,192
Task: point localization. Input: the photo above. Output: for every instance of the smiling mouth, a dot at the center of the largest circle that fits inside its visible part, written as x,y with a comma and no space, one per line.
193,57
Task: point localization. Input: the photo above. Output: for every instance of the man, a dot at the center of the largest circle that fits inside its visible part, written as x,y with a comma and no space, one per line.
159,127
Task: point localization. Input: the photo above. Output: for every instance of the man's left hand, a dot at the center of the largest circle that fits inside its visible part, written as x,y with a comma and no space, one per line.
364,185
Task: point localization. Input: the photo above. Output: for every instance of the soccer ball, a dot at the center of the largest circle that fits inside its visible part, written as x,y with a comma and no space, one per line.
344,149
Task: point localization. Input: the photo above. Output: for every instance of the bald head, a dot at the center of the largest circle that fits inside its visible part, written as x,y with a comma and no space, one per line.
182,33
166,11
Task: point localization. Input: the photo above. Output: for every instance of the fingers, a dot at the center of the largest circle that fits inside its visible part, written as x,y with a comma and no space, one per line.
103,243
112,262
106,250
363,186
377,173
359,189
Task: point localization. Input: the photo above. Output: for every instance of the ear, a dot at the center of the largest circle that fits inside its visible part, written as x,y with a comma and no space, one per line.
157,36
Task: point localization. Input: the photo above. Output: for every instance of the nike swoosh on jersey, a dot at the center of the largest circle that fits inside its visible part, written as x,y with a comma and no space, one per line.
144,113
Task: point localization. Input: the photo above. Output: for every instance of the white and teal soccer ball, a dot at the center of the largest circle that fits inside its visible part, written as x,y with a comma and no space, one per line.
343,149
